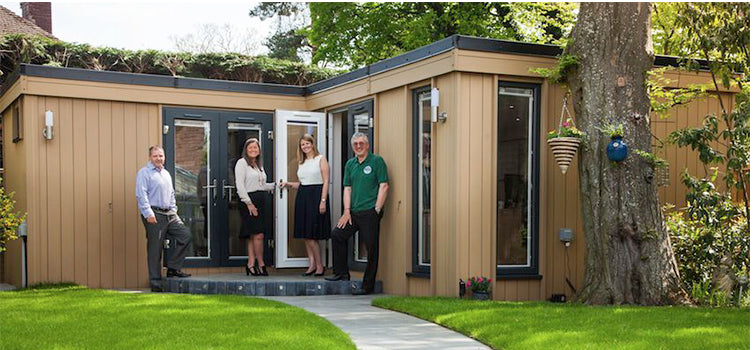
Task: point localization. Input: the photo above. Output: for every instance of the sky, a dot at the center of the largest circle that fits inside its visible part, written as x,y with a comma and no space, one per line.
141,25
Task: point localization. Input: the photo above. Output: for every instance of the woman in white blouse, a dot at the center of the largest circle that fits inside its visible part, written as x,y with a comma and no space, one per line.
312,222
251,184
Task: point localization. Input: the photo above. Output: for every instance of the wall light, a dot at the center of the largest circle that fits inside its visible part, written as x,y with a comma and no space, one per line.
48,123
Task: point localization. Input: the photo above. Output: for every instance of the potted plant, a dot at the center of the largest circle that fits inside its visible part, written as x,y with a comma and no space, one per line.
479,286
564,142
617,150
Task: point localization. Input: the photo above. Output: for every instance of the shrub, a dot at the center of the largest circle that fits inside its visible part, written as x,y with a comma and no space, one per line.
479,284
9,218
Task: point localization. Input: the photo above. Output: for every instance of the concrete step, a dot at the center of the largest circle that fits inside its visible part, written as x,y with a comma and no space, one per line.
240,284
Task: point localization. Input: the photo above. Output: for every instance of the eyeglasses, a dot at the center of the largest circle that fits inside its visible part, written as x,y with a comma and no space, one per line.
359,143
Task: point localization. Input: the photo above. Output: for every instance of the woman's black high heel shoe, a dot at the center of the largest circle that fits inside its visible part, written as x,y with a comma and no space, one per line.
250,271
263,271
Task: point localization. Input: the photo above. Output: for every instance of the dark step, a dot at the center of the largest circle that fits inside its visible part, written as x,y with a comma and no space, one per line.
238,284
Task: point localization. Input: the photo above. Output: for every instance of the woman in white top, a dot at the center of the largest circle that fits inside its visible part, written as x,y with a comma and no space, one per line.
312,222
251,184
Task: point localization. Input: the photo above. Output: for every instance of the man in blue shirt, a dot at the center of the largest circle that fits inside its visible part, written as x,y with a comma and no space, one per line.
156,200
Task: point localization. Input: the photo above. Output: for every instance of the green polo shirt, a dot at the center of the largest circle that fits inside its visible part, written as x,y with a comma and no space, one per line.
364,179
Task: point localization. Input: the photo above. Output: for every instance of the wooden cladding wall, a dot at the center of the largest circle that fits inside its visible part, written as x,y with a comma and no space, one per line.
84,226
14,179
560,204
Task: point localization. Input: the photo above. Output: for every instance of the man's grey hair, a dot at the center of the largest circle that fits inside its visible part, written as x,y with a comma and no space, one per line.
359,135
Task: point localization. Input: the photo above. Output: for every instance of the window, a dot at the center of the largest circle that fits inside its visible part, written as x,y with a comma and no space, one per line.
422,180
517,179
18,131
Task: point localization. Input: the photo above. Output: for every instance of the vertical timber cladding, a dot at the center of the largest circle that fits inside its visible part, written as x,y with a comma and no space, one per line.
83,223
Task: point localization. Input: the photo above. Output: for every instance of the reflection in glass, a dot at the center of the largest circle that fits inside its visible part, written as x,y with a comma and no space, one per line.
296,247
237,134
424,178
513,162
361,124
191,173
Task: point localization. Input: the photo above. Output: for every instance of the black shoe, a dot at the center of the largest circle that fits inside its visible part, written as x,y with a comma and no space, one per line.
306,274
361,291
177,273
264,271
319,274
338,277
156,289
251,271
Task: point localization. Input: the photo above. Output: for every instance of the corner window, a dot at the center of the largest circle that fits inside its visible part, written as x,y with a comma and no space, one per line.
517,179
18,128
421,180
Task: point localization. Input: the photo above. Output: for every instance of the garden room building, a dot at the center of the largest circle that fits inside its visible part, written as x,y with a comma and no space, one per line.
474,191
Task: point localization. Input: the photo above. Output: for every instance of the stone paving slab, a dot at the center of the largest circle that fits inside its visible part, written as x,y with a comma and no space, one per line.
373,328
272,285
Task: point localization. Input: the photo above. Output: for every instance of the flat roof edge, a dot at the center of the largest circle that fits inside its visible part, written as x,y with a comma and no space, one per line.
158,80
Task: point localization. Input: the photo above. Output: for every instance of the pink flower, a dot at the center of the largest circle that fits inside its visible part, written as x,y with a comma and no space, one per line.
565,124
468,284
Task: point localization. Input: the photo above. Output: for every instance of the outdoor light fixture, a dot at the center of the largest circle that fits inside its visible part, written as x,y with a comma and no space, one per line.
434,104
48,123
566,236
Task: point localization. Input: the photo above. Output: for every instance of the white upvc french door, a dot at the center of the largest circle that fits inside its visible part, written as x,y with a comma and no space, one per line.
289,127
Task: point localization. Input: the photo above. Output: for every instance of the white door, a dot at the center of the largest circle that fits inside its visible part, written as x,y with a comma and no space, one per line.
289,127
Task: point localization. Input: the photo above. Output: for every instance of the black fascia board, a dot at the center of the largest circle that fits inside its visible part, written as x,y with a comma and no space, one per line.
158,80
506,46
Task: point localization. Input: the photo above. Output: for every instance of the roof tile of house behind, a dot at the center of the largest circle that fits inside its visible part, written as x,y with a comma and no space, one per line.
10,23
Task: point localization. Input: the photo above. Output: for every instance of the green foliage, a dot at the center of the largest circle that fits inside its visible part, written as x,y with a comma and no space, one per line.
567,129
358,34
557,75
653,160
711,242
612,130
716,31
18,48
285,45
544,325
664,97
9,218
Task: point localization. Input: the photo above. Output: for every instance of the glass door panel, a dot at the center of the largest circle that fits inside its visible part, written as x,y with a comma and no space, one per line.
237,134
290,126
193,192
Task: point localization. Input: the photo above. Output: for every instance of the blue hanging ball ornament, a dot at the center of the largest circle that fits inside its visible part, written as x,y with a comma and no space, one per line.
617,150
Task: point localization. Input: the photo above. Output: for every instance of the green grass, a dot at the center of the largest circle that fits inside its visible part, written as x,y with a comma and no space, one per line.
73,317
542,325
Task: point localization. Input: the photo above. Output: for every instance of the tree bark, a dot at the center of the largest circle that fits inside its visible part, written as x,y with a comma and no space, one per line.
629,258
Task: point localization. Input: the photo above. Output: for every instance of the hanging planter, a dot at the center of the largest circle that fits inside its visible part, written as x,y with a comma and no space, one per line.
617,150
564,150
565,140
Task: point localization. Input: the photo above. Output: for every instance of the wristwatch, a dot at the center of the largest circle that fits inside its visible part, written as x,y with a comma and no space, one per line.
324,200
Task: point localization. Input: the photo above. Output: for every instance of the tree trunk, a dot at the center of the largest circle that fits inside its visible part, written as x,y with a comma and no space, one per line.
629,258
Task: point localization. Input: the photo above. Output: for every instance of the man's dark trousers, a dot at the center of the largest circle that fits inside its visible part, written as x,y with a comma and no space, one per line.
171,227
367,223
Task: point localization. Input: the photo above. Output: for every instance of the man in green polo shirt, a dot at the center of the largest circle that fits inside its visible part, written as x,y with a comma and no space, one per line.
364,195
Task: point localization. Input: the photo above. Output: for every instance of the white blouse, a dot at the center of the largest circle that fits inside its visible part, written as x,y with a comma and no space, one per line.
310,172
248,179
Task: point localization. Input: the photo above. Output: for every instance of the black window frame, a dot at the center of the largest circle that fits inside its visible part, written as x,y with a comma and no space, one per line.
532,271
417,268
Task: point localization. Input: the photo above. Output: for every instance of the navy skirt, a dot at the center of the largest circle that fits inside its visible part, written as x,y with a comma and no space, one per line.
309,223
251,225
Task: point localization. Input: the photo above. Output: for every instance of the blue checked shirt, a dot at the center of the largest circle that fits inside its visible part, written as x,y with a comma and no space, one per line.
154,188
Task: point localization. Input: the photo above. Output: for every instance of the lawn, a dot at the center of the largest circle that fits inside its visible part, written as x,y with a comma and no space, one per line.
73,317
543,325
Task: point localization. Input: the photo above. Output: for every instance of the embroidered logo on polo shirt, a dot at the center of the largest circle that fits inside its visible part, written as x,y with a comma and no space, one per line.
367,170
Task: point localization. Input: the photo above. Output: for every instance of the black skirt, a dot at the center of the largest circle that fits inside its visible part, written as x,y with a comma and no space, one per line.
309,223
251,225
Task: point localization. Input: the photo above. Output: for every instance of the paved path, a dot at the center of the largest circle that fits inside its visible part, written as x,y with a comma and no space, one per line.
374,328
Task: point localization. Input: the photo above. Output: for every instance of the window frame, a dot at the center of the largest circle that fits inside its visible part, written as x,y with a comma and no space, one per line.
418,268
531,271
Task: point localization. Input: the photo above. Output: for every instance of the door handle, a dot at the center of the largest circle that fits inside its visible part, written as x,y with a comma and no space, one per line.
229,189
281,189
214,191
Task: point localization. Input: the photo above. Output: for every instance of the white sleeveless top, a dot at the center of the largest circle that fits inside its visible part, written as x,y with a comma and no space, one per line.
310,173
